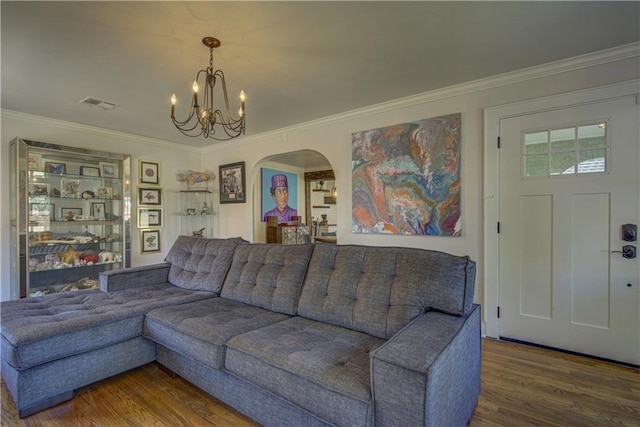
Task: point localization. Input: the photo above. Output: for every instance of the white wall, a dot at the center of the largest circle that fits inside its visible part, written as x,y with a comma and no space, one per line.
332,138
171,157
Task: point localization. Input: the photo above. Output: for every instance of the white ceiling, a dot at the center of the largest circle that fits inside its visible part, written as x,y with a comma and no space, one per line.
297,61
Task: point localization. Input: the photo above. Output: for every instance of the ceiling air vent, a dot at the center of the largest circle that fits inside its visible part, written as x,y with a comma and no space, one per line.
100,103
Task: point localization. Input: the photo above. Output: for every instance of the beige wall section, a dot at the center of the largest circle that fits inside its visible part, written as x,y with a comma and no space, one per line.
332,138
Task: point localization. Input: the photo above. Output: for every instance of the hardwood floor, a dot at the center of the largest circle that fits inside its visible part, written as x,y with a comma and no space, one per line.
521,386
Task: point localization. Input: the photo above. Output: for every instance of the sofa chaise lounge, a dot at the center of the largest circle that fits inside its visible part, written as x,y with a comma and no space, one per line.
311,335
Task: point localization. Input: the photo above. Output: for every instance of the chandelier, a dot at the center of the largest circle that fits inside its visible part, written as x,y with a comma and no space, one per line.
205,119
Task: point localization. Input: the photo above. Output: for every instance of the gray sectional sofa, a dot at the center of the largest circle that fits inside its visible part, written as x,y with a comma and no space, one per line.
301,335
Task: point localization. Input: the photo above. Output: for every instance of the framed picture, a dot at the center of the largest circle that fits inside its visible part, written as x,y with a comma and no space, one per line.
39,190
71,188
148,217
149,172
34,161
149,241
149,196
68,214
43,209
97,210
233,187
108,170
55,167
279,191
89,171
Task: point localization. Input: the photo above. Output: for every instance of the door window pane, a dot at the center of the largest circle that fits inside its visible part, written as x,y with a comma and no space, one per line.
591,136
590,161
536,143
536,166
572,150
563,163
563,139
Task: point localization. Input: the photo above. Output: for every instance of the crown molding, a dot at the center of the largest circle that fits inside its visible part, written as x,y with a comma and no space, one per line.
94,130
620,53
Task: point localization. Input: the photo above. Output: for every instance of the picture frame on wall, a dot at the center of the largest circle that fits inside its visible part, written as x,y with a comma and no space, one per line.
149,172
233,187
149,241
149,196
148,217
279,191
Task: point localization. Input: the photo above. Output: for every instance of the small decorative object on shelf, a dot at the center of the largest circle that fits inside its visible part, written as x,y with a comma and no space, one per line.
192,178
198,233
68,219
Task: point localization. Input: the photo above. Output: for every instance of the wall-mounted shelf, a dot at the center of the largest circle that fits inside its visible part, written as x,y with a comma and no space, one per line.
196,212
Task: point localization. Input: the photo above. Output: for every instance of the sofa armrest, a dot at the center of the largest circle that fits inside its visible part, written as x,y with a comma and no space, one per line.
428,374
134,277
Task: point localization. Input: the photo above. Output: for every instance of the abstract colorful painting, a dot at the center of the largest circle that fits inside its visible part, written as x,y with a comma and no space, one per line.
406,178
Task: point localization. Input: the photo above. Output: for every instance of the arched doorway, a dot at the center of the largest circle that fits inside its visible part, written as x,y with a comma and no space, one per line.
301,163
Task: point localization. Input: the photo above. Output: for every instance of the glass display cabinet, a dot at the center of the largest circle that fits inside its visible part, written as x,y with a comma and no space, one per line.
196,213
70,216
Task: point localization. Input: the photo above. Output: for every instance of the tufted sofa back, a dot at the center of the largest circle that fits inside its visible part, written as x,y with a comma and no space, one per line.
268,276
379,290
200,264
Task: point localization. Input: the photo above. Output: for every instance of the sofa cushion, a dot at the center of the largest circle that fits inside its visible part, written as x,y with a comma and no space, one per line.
201,329
200,264
321,368
379,290
41,329
268,276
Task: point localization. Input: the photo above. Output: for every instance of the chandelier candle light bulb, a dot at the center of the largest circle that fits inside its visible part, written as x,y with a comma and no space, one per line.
207,120
173,105
242,98
195,93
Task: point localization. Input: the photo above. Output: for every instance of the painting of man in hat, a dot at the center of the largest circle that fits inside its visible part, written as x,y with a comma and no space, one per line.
279,191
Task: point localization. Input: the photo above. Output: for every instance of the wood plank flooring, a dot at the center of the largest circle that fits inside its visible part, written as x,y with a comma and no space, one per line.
521,386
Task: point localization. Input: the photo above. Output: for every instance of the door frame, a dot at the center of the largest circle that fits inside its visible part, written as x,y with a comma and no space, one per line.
491,190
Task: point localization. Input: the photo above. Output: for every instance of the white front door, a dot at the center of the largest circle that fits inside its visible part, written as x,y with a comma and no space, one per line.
568,180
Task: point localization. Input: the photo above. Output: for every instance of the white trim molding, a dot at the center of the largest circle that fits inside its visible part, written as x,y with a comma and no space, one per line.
93,130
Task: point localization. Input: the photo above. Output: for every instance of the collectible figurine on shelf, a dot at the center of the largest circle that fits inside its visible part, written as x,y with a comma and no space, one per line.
193,177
